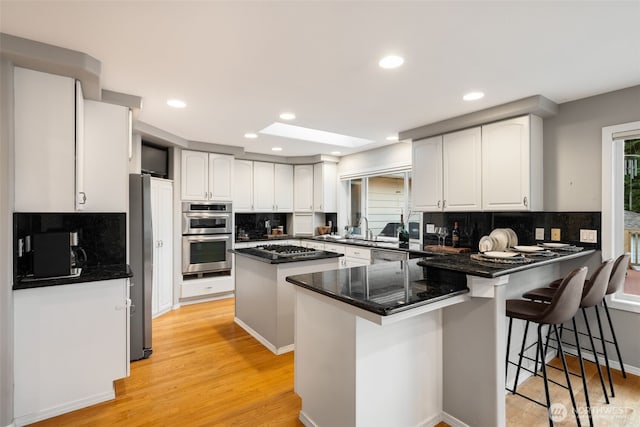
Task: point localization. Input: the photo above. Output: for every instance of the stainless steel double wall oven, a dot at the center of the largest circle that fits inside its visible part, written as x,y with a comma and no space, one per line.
206,236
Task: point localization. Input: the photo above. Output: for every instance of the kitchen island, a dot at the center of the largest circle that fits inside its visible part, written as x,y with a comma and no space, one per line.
264,300
379,345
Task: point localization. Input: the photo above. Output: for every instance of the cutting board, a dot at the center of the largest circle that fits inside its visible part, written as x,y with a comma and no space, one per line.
446,249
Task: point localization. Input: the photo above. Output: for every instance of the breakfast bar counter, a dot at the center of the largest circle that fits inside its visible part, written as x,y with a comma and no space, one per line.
412,342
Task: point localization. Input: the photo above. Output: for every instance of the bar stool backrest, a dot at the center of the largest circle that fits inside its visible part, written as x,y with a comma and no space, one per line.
566,300
596,286
618,273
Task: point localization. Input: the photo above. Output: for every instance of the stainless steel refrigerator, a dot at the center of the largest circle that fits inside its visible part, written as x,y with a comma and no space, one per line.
141,261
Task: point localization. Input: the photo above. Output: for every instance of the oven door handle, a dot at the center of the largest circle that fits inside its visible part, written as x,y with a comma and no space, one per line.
207,238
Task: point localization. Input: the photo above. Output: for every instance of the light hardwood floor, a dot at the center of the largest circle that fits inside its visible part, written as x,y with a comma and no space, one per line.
206,371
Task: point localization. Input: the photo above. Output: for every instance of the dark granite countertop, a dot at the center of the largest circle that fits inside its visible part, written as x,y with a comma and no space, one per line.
385,288
88,274
465,264
261,256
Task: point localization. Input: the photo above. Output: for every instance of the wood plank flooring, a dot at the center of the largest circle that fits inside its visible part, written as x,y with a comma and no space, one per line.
206,371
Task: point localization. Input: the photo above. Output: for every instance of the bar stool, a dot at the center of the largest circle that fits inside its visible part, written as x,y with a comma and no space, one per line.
616,281
592,294
562,308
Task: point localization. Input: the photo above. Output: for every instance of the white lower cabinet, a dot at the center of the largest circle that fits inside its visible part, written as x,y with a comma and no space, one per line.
355,256
162,222
71,342
339,249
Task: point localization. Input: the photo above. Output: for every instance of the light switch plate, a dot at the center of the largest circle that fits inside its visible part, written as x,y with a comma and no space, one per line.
539,233
430,228
588,236
555,234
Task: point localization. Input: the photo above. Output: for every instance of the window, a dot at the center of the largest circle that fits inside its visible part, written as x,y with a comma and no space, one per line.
621,205
381,199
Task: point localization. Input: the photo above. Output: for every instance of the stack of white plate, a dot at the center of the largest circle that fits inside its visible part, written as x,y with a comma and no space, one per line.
499,240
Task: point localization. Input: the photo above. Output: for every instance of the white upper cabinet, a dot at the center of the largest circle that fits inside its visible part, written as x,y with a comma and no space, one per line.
263,188
70,154
220,177
325,187
243,186
45,132
195,175
102,175
426,174
462,170
206,176
303,188
512,164
283,187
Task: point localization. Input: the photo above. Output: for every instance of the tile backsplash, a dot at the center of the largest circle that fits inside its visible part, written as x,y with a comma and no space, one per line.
103,236
474,225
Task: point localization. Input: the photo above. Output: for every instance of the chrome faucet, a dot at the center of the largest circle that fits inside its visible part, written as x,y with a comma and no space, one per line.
367,232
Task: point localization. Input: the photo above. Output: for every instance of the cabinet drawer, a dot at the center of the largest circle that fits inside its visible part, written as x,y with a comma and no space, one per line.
332,247
206,288
357,252
316,245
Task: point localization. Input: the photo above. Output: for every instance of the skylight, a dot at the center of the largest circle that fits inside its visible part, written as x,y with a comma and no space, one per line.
313,135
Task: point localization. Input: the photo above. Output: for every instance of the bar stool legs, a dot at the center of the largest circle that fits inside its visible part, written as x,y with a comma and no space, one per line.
604,350
613,335
526,329
595,355
584,377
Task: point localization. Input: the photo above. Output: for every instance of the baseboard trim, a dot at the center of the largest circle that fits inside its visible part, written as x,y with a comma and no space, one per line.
588,355
452,421
304,419
262,340
63,409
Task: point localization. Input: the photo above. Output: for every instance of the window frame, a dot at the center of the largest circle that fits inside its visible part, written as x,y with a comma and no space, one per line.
612,199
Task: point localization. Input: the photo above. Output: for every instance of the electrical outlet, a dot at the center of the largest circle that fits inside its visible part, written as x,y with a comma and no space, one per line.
555,234
539,233
588,236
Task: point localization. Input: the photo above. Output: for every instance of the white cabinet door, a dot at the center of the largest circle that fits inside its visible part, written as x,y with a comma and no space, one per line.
462,170
283,187
195,175
243,185
162,220
220,177
426,174
325,187
303,188
45,128
303,224
71,343
263,187
103,178
509,149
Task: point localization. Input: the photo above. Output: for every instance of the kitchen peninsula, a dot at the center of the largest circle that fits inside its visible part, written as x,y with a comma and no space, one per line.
264,300
419,341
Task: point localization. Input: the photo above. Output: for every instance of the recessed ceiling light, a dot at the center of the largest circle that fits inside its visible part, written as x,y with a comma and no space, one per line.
287,116
335,153
176,103
250,135
276,149
391,61
473,96
392,138
313,135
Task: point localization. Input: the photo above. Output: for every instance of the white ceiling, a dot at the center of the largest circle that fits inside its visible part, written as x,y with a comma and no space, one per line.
240,64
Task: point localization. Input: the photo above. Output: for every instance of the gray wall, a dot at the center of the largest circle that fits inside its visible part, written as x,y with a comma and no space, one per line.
6,207
572,174
573,148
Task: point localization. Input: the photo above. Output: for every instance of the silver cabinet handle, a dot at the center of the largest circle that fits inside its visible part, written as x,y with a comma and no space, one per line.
438,203
84,197
206,195
210,195
444,203
525,201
